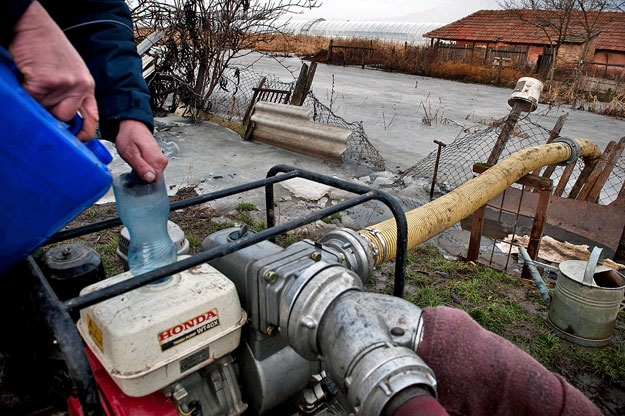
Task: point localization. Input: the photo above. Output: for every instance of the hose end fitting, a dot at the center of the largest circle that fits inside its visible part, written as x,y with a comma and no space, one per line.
576,150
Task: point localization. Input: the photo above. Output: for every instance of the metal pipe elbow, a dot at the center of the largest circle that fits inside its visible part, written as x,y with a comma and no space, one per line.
367,343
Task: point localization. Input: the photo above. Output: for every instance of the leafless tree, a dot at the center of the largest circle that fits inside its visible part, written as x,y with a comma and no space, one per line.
203,36
591,12
553,20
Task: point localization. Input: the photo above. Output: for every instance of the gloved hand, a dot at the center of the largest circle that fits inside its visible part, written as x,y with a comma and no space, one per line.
54,73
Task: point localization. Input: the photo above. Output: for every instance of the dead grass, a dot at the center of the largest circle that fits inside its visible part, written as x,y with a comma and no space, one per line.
461,71
420,60
306,46
608,104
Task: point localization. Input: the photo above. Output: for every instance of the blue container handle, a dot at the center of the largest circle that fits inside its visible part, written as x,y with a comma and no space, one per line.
75,124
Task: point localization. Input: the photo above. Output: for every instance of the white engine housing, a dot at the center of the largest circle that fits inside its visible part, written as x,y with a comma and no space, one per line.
152,336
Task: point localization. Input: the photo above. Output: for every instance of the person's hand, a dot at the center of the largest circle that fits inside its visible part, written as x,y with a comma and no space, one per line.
54,74
137,146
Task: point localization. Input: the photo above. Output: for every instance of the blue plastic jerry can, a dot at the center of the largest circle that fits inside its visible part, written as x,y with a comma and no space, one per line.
47,176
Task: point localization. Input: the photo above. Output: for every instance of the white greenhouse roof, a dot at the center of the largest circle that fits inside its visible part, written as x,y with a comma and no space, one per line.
399,32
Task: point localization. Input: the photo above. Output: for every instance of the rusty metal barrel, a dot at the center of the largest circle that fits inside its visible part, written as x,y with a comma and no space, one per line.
586,301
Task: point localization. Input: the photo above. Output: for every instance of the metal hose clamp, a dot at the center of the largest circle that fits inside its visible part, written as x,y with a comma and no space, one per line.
576,150
380,238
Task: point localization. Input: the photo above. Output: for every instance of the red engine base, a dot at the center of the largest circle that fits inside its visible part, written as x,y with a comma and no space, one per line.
116,403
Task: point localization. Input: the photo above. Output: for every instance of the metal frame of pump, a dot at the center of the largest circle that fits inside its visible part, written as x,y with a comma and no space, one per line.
57,313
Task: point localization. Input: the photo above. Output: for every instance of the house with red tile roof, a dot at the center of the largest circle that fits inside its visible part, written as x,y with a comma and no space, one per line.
524,28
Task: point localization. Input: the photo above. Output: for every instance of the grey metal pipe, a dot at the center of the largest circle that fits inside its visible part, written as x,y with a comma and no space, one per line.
368,344
542,287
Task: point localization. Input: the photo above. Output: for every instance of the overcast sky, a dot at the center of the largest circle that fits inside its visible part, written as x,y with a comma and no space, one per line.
430,11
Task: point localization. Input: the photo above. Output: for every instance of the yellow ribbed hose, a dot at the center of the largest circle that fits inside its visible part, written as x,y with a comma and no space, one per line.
435,217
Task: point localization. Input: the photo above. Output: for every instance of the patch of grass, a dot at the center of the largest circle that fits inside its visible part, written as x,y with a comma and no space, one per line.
195,243
106,246
259,226
245,218
214,226
287,239
330,218
496,315
429,296
242,207
513,309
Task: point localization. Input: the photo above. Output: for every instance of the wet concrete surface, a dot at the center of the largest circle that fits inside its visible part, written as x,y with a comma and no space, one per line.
390,107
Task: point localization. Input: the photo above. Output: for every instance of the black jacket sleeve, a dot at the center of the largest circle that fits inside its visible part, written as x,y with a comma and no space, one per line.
101,31
10,12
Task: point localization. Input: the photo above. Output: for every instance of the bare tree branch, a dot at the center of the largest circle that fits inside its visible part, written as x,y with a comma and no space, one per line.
203,36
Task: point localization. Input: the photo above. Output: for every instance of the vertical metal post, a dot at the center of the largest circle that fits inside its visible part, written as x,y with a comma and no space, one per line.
544,198
438,157
476,234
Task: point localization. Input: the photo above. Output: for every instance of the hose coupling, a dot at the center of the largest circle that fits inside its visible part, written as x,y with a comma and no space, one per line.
576,150
379,256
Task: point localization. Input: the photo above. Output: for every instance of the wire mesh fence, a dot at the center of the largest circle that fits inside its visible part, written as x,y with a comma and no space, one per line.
232,97
474,145
359,149
236,89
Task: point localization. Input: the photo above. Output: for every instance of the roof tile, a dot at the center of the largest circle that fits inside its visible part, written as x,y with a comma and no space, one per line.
526,27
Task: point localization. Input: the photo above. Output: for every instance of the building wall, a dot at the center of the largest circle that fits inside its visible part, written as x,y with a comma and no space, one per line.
533,53
608,57
570,54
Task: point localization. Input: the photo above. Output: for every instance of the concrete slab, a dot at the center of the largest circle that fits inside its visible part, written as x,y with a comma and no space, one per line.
305,189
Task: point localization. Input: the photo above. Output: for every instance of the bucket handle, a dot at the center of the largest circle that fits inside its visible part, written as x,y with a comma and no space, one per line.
596,257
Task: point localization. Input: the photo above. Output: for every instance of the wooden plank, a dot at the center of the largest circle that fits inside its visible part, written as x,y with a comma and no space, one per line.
527,180
505,133
555,132
583,176
605,173
603,160
539,221
591,222
248,113
309,79
564,179
300,85
620,199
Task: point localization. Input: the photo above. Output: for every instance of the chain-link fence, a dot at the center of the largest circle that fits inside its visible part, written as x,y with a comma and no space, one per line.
474,145
232,98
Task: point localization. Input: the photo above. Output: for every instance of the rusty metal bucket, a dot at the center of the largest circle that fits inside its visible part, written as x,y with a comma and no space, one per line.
586,301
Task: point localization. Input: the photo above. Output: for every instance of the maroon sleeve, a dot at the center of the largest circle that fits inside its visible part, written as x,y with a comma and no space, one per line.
480,373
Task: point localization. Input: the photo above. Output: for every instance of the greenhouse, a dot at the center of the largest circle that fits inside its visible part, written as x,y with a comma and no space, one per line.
399,32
